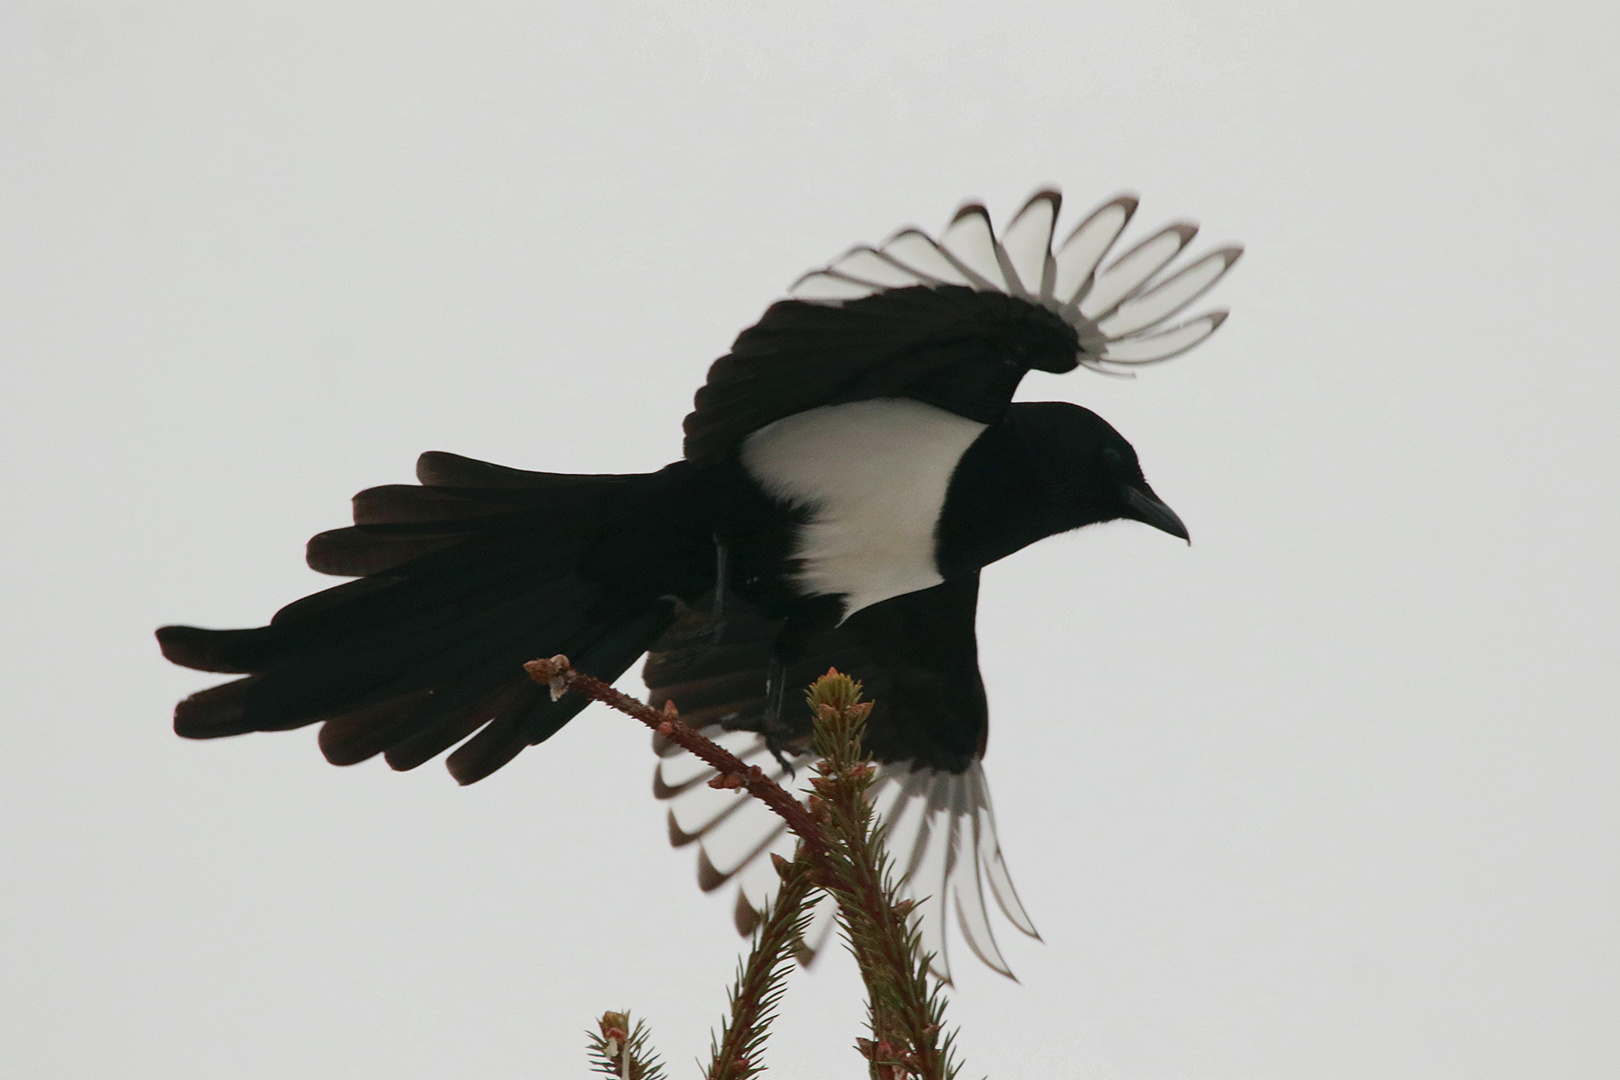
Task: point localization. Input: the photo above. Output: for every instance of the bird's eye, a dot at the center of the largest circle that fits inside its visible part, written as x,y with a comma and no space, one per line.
1113,459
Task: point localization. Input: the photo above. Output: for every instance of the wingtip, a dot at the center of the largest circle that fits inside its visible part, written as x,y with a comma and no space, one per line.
709,878
972,208
432,465
196,648
1047,193
901,232
173,641
663,790
745,917
679,837
216,712
484,753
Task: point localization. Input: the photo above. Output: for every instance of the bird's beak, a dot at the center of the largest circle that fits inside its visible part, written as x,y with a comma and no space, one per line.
1147,507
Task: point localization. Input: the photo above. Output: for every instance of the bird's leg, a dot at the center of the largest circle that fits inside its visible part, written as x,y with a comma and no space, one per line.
722,568
808,617
772,728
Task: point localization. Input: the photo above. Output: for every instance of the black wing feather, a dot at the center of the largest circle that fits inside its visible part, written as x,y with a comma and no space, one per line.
950,346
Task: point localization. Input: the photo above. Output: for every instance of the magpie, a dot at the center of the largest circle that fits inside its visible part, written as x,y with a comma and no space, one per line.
849,467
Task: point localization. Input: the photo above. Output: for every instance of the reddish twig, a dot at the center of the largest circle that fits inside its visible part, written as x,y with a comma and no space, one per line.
844,855
562,676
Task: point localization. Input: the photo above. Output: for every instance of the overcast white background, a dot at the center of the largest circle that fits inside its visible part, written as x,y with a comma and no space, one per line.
1332,793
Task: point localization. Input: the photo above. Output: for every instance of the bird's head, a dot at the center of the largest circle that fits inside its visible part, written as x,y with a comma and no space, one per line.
1046,468
1087,471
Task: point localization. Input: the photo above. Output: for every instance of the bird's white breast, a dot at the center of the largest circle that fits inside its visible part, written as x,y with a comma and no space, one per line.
873,475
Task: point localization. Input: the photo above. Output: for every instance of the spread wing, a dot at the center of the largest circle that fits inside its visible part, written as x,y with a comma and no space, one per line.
917,657
959,321
962,350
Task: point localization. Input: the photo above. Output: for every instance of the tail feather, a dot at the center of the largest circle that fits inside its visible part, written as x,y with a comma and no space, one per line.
412,504
378,661
617,645
414,750
356,553
217,711
199,649
468,577
332,599
429,695
441,469
498,743
309,670
370,730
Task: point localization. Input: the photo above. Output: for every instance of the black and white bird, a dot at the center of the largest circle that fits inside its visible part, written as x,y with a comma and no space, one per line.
850,466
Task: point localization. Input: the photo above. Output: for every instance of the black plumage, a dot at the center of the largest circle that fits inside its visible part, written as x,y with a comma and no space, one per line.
850,465
950,346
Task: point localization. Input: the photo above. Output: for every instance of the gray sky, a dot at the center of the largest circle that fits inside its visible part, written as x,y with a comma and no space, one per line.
1330,794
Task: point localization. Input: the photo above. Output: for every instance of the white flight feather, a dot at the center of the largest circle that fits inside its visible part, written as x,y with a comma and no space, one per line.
941,839
1111,308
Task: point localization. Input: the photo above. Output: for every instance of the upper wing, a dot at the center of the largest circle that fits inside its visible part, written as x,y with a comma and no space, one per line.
917,658
958,322
962,350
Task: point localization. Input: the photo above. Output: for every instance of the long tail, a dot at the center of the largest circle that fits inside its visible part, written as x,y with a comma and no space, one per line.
461,580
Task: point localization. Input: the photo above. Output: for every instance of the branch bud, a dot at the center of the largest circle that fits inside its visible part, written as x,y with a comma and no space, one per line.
834,690
554,673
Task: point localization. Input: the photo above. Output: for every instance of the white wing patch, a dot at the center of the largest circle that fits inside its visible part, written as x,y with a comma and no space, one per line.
873,475
1120,311
941,840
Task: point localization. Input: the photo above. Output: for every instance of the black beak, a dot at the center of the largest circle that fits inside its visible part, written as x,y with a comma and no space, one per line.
1146,507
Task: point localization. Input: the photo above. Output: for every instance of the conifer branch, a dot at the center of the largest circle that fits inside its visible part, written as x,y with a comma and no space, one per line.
906,1009
762,979
619,1049
842,852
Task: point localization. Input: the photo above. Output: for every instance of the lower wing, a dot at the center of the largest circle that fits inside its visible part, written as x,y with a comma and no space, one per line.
917,658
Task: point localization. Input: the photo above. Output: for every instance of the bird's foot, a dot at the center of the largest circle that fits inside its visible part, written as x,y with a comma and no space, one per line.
722,572
778,736
780,753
